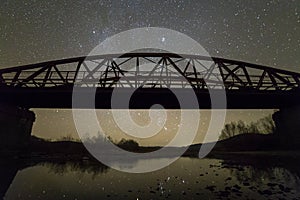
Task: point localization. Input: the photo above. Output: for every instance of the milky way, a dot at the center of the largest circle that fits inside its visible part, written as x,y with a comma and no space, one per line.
265,32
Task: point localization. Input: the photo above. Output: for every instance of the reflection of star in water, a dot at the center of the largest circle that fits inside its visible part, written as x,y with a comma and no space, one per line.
160,121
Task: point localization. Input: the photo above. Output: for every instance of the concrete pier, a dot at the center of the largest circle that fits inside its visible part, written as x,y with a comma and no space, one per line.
15,127
287,121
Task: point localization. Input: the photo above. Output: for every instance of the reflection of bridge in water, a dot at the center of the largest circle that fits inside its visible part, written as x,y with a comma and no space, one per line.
50,84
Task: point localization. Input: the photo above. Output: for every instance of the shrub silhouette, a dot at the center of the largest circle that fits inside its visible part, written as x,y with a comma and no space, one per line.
128,144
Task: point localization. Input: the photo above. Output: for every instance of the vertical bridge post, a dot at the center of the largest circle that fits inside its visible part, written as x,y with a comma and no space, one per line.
287,121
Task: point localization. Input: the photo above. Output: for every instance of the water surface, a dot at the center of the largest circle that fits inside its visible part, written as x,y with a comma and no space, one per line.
187,178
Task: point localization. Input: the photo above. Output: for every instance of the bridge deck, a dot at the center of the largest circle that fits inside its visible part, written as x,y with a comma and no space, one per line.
50,84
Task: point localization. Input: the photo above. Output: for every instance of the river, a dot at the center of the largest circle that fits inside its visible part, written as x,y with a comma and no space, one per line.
186,178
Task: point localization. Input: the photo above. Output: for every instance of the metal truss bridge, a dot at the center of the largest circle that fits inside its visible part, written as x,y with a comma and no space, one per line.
153,76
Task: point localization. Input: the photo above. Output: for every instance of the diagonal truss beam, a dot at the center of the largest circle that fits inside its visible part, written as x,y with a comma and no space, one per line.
236,75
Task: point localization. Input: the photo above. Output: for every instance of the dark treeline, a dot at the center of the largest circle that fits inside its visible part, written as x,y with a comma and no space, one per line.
262,126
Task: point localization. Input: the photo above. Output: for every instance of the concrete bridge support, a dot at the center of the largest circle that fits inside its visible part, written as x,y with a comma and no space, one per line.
287,121
15,127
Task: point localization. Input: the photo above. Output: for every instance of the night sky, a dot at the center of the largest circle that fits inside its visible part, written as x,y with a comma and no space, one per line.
263,32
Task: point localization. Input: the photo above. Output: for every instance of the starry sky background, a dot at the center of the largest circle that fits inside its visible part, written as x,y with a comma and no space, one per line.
262,31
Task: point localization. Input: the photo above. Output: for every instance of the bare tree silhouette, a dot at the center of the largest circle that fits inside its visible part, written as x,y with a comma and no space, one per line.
264,125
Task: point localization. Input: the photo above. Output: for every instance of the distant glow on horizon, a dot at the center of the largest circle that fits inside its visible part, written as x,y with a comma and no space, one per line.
60,124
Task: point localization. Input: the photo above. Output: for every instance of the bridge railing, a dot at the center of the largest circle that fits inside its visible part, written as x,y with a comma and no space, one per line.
163,70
